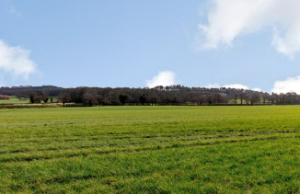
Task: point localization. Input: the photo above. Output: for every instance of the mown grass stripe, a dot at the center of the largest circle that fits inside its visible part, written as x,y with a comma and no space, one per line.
87,151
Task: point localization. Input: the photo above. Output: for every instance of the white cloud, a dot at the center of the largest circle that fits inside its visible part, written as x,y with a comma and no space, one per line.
291,84
257,89
164,78
237,86
15,61
229,19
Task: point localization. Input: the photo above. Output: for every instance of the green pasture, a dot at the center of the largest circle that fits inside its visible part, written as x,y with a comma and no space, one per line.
144,149
14,100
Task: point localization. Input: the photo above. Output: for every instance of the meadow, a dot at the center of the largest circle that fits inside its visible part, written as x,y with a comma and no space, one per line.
150,149
14,99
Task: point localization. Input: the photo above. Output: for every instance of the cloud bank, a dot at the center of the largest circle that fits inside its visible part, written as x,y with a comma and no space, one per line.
164,78
238,86
291,84
230,19
15,61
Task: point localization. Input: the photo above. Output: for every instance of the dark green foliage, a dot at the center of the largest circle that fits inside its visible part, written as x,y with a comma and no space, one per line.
123,98
143,99
45,99
31,98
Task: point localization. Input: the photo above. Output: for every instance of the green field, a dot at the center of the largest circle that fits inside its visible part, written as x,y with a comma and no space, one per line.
249,149
13,100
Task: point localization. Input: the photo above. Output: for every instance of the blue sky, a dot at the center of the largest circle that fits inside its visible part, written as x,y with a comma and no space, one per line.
251,44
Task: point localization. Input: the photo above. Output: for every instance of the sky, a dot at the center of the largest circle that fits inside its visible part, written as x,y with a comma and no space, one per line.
251,44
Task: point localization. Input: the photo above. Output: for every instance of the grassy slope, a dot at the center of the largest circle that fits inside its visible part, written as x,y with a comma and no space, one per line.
150,150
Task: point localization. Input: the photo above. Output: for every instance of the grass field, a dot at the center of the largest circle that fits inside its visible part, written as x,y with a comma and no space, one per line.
249,149
12,100
15,100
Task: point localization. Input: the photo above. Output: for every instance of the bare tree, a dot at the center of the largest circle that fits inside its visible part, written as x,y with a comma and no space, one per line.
64,98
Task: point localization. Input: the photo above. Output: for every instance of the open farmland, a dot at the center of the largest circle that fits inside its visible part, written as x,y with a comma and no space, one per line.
254,149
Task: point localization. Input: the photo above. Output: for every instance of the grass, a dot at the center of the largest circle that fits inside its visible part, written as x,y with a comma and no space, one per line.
13,100
150,150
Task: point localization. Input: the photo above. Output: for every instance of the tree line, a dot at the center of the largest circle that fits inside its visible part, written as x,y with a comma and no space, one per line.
160,95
